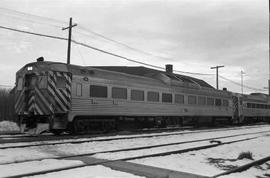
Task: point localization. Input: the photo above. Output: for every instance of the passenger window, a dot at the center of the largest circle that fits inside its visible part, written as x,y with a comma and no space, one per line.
226,103
192,100
42,81
153,96
218,102
179,99
79,89
137,95
210,101
166,98
201,100
119,93
20,84
60,82
98,91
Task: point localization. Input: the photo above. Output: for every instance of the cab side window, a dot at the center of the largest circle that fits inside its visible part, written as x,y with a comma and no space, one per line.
60,82
42,81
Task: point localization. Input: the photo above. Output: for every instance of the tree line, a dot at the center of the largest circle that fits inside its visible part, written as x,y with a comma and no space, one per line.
7,111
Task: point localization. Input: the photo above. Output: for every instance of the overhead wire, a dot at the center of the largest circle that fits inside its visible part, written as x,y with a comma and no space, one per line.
118,42
119,56
21,14
106,38
78,49
239,84
33,33
140,51
28,20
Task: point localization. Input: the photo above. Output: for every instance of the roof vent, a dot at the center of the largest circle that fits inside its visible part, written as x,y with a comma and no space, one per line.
169,68
40,59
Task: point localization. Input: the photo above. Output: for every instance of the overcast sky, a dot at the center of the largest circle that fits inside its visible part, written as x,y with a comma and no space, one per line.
193,35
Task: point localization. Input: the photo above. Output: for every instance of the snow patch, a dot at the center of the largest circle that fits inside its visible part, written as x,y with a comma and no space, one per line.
8,126
89,172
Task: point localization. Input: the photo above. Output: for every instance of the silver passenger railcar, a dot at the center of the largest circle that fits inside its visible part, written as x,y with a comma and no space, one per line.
77,99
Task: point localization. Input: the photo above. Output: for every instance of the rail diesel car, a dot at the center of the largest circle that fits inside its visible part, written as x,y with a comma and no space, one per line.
59,97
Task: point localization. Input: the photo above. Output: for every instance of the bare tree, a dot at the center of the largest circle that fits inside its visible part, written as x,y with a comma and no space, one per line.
7,111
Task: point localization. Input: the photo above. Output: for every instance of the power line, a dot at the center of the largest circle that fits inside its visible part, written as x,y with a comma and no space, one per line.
239,84
97,34
120,43
97,49
32,15
138,50
33,33
115,55
29,20
119,56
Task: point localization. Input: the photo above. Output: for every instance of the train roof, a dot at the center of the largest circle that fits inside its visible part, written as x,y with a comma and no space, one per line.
130,70
147,72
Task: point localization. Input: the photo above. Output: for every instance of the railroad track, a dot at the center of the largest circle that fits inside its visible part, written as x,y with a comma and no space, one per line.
93,139
88,161
245,167
50,137
213,139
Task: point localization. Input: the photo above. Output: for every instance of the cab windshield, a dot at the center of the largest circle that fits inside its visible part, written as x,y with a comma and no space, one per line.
33,80
30,81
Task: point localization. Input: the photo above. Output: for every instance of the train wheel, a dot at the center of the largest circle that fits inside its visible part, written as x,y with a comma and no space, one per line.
57,132
75,127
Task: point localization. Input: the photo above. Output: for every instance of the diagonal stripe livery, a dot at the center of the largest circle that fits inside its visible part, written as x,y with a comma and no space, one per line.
45,101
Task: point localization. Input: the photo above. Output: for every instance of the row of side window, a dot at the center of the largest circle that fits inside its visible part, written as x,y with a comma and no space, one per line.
152,96
258,106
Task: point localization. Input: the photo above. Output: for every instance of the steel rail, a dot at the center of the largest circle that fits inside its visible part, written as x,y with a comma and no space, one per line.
120,138
131,149
102,161
245,167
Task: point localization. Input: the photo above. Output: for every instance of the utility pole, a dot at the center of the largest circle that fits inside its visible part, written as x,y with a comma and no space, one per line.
69,38
216,67
269,50
242,73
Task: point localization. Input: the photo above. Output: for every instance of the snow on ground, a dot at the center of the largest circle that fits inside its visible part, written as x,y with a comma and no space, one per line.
262,171
48,164
34,166
8,126
89,172
18,154
212,161
164,149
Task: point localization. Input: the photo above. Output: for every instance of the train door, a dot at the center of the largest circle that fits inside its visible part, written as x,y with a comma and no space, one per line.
59,88
30,84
